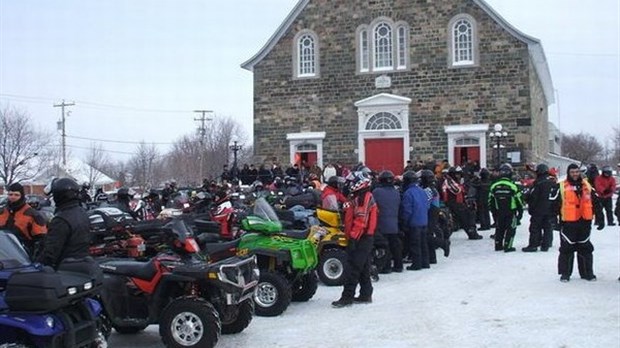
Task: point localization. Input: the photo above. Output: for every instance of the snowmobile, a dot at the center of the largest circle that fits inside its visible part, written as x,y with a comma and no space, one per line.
193,301
40,307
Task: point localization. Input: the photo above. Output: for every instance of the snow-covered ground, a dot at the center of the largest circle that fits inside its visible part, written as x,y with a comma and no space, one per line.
475,298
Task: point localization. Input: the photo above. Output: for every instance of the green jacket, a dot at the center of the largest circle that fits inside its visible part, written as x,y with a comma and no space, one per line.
505,195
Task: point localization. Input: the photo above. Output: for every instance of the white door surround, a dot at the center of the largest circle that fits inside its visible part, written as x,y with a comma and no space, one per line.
383,116
306,138
469,131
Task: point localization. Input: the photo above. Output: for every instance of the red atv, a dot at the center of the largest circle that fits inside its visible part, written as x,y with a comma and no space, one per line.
191,300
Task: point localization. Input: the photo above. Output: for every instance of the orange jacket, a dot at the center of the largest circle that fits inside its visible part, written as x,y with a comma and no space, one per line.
25,219
576,207
360,220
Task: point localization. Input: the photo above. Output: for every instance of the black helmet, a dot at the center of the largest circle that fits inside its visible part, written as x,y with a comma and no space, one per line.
606,170
484,173
122,192
334,181
86,185
505,171
427,178
542,169
409,177
278,182
386,177
62,190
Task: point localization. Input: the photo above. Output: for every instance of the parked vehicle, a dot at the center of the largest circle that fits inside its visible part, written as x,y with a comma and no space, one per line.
40,307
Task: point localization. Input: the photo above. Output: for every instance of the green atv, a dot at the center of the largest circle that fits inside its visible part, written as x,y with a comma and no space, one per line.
286,263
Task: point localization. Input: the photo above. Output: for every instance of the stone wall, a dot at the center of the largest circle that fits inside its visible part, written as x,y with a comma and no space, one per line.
498,90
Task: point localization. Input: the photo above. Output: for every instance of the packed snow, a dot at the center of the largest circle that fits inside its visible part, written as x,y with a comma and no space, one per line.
475,298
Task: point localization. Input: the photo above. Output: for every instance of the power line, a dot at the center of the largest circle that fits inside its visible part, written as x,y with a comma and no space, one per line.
117,141
62,127
90,148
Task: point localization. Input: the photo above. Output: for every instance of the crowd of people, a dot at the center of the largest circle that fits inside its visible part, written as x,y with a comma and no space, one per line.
404,210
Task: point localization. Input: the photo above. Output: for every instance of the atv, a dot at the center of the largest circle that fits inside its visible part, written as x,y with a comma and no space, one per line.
331,248
286,263
193,301
41,307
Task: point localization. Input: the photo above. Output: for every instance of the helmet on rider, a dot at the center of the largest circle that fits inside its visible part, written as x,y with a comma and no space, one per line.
606,170
427,178
62,190
409,178
360,184
505,171
542,169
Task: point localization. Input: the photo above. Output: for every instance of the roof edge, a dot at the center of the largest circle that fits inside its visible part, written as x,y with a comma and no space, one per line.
273,40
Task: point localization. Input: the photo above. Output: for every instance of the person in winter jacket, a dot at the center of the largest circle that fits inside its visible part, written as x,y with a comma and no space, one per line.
328,172
505,201
576,213
436,237
388,202
331,198
482,208
541,206
591,173
23,220
360,222
414,209
605,186
454,197
68,234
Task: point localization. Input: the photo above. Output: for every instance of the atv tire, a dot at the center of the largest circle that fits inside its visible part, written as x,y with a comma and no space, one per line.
129,330
305,287
243,317
332,267
189,314
272,295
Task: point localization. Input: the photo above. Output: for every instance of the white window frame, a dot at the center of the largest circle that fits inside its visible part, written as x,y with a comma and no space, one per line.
298,55
366,46
363,49
383,55
453,41
402,46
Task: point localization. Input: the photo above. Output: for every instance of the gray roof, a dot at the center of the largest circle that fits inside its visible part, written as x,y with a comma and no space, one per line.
537,53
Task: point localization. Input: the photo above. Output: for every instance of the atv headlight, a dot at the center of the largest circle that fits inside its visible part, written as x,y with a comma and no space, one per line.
49,321
88,286
72,291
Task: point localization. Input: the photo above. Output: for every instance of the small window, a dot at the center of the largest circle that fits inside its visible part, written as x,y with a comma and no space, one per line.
307,65
463,42
467,142
306,55
364,51
383,47
402,47
383,121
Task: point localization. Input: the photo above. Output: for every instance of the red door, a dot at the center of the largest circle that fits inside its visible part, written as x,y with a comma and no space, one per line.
462,155
384,154
309,158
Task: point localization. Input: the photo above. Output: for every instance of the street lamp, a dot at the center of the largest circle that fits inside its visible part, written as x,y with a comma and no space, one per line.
235,148
498,133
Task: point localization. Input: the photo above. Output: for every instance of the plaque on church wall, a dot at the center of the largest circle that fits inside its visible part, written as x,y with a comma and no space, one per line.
383,81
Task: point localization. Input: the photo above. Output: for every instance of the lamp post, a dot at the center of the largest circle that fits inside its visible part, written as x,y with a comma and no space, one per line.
497,134
235,148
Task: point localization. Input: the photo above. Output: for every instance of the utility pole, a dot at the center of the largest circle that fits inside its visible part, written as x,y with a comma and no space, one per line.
63,133
202,130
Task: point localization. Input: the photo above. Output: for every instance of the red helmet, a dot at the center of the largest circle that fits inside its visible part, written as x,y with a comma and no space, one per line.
360,184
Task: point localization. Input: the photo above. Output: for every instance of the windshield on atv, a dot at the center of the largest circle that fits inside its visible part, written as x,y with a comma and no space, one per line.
179,228
263,210
12,254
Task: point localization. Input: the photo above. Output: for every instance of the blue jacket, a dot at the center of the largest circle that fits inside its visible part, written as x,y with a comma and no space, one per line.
388,202
414,207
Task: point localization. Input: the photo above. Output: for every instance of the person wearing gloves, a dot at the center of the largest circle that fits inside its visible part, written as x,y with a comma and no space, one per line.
541,206
576,214
507,206
360,222
23,220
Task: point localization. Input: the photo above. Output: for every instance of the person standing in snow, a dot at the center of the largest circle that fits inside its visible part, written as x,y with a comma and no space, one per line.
505,201
541,206
388,202
360,222
414,209
576,213
605,185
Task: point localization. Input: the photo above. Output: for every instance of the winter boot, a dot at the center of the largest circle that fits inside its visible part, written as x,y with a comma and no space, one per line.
362,299
564,278
509,249
529,249
446,248
342,302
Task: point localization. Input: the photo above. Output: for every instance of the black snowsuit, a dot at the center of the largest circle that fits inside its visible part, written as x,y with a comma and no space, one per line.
505,202
541,206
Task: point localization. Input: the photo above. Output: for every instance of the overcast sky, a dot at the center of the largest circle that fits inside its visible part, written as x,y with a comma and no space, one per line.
137,69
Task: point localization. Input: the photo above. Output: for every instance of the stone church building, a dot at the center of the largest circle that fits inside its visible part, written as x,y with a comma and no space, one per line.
385,81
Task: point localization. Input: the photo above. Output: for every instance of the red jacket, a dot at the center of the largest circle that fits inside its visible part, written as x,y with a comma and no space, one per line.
360,220
328,190
605,186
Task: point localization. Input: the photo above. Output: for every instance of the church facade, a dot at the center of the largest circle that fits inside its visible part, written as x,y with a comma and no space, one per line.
385,81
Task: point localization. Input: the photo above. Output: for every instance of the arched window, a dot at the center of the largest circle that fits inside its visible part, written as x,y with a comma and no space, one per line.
364,50
306,147
463,43
383,50
306,54
401,39
382,121
467,142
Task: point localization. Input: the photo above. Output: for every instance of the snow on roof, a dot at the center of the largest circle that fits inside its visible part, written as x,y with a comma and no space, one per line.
82,172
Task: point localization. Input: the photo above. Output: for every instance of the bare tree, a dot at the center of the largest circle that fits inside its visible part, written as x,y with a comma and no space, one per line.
582,147
20,143
144,165
96,159
615,141
183,161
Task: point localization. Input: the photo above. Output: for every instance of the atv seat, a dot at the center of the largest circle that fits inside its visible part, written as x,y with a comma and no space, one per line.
296,234
133,269
214,248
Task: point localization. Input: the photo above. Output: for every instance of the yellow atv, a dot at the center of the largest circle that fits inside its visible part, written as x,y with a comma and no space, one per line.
330,247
